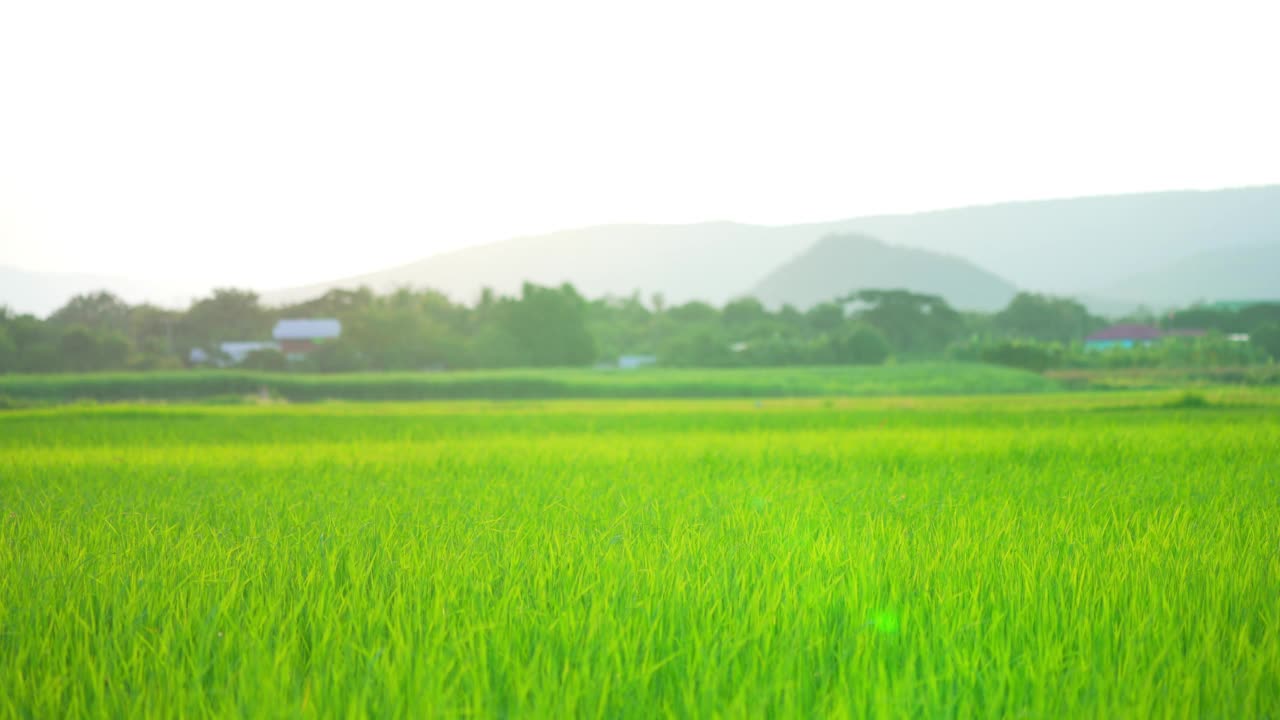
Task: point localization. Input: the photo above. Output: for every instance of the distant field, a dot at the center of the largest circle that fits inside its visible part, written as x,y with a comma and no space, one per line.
910,379
1157,378
1050,555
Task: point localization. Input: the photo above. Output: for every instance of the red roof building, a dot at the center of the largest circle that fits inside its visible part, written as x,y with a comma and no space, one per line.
1132,333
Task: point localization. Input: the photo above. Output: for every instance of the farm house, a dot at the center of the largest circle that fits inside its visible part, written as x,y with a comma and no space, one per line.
298,337
1123,336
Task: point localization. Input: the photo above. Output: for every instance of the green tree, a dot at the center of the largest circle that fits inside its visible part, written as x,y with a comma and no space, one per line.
113,352
229,315
549,324
1048,319
408,331
153,333
1267,339
825,317
1256,316
744,315
339,355
776,350
266,359
8,351
491,346
82,350
98,311
697,346
693,313
621,326
1205,318
35,344
913,323
337,303
1023,355
853,344
78,349
860,344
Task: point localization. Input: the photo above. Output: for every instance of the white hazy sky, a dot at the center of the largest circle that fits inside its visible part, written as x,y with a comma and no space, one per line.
269,144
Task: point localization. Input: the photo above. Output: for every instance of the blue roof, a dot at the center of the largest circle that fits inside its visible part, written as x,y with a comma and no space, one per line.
307,329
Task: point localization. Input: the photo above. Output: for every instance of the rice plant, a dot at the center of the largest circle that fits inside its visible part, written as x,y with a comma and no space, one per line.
1034,556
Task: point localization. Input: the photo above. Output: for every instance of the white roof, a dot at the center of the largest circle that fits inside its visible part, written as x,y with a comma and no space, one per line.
238,351
307,329
231,348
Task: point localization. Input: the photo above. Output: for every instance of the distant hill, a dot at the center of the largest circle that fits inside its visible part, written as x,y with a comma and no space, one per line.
1107,250
840,264
40,293
1081,246
705,261
1239,273
1086,245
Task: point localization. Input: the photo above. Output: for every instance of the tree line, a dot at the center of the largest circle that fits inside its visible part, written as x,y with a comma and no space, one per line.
557,326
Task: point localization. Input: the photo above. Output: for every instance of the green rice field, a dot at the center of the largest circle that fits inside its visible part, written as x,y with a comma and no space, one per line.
1038,555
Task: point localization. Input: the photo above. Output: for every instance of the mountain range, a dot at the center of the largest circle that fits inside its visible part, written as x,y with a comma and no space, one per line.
41,293
837,264
1249,272
1114,252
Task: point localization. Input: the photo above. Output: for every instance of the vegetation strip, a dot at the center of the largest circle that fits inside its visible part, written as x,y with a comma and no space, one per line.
914,379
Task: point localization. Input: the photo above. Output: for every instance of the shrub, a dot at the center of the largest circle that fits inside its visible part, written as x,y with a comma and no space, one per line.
1025,356
1267,339
265,360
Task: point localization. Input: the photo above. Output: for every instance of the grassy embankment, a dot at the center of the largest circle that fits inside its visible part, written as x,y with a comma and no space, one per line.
912,379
